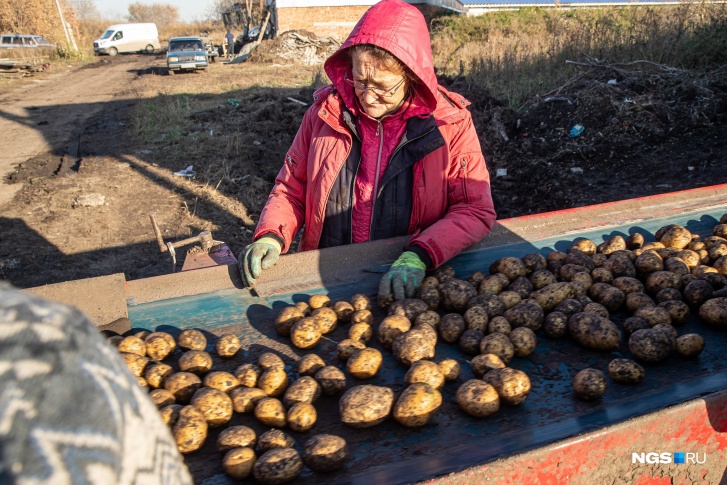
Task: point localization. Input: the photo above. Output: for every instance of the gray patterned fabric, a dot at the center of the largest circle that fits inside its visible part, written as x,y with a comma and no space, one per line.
70,410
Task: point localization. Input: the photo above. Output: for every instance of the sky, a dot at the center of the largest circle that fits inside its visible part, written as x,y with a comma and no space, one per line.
189,10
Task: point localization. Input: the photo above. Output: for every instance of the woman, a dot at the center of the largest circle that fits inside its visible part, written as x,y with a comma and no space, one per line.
383,152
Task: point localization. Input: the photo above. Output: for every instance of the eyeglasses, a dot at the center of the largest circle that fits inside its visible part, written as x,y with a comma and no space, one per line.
381,92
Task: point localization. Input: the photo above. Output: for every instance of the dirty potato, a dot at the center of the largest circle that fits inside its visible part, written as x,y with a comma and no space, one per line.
196,361
548,297
690,344
302,416
484,363
238,462
390,328
653,315
362,316
494,305
589,384
135,362
286,318
361,332
159,345
425,371
170,414
477,398
310,364
542,278
305,389
221,380
417,404
626,371
637,300
522,287
273,381
271,412
215,406
326,318
408,307
344,311
248,374
527,313
318,301
613,244
677,237
430,296
266,360
594,332
331,380
512,385
277,466
190,430
510,266
183,385
649,345
346,347
364,363
365,406
469,341
678,311
498,344
161,398
414,345
596,309
455,294
305,333
227,346
523,340
499,325
156,374
429,317
555,324
450,369
476,318
274,438
697,292
451,327
236,437
132,345
244,399
359,301
192,339
325,452
658,280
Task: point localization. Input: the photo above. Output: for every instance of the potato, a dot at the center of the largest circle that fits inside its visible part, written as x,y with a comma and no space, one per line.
589,384
476,278
601,275
159,345
569,270
346,348
305,333
721,265
190,430
478,398
678,311
365,406
625,371
628,285
510,266
676,237
286,318
484,363
196,361
510,298
691,258
451,327
676,265
362,316
277,466
594,332
430,318
612,298
408,307
274,438
271,412
548,297
135,362
653,315
162,398
635,241
222,381
469,342
170,414
132,345
425,371
637,300
476,318
248,374
236,437
523,340
359,301
142,383
542,278
499,325
215,406
331,380
450,369
305,389
192,339
416,405
596,309
326,318
697,292
556,324
620,265
227,346
649,345
555,259
690,344
390,328
304,307
615,243
585,245
273,381
668,294
244,399
512,385
310,364
494,305
455,294
266,360
633,324
534,262
714,311
364,363
658,280
325,452
318,301
527,314
522,287
302,416
238,463
115,340
430,282
361,332
183,385
414,345
430,296
344,311
444,273
498,344
156,374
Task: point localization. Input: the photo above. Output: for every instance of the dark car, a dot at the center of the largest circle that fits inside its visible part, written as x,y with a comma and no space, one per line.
186,54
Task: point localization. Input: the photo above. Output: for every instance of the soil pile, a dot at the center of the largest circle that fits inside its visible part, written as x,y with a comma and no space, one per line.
295,46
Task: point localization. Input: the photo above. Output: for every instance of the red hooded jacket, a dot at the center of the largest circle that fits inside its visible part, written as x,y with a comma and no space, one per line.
451,200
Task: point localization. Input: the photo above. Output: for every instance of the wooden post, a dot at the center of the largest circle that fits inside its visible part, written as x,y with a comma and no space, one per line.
262,28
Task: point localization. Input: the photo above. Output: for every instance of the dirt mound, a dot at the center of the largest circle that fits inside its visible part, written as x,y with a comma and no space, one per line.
296,46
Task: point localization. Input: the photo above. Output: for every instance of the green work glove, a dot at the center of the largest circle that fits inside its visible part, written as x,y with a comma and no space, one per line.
404,277
260,255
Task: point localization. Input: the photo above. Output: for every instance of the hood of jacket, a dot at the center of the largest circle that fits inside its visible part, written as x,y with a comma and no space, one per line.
400,29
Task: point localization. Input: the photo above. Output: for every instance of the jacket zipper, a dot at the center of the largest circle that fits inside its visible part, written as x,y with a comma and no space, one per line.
464,180
353,188
380,135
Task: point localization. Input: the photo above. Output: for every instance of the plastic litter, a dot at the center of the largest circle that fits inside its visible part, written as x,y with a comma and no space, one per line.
612,82
576,170
187,172
234,102
501,172
576,130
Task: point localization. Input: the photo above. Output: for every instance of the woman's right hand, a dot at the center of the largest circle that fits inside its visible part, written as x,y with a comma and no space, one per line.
261,254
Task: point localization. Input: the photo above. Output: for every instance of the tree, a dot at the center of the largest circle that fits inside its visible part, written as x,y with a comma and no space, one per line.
161,14
31,17
85,10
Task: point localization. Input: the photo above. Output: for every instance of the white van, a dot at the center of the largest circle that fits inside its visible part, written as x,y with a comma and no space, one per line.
128,38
